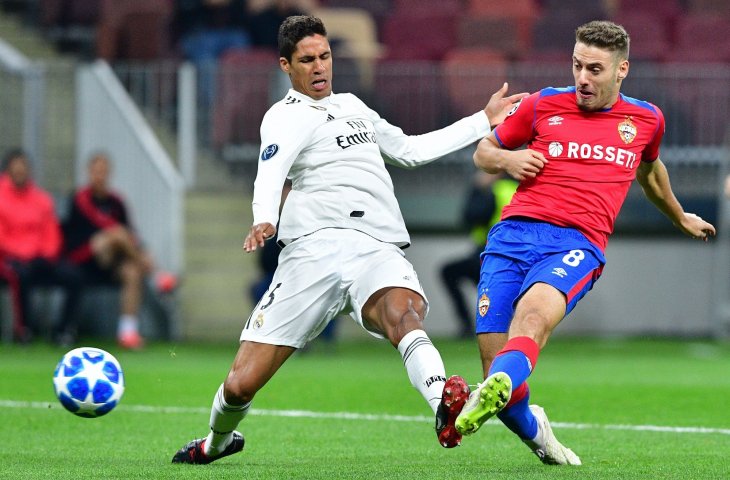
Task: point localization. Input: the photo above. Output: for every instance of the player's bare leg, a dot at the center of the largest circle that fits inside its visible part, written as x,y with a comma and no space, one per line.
398,313
253,367
489,346
505,392
131,275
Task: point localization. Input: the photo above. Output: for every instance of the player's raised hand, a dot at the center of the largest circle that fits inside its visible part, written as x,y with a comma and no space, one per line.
499,105
257,235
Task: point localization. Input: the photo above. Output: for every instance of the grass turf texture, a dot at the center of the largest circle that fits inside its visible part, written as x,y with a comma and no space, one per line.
615,386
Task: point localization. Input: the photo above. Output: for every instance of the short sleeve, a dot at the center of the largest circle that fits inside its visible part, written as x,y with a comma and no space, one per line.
651,152
517,128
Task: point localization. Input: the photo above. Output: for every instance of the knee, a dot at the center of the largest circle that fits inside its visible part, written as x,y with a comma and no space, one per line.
533,324
403,315
237,391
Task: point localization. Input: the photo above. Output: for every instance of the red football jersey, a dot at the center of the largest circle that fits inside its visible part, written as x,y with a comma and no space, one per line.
592,158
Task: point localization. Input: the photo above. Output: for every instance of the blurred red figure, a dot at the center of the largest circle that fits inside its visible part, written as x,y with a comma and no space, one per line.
30,244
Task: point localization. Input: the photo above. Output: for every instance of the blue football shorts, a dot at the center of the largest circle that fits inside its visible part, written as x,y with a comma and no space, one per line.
521,252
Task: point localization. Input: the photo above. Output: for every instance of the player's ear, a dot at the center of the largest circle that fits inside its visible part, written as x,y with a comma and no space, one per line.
623,69
284,65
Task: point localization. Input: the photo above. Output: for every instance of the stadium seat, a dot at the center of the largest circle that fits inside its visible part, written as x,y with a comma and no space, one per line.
556,31
356,29
720,7
504,8
244,81
356,37
71,24
649,38
703,45
509,35
502,24
144,36
700,91
70,12
378,9
419,35
117,25
590,9
702,37
472,75
664,12
452,7
540,69
411,95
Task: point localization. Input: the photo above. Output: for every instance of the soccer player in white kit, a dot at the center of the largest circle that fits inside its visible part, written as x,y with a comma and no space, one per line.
342,232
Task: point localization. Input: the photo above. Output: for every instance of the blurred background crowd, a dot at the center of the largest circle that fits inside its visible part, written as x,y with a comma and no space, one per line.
174,92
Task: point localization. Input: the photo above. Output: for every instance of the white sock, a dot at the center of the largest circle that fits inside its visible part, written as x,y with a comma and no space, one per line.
424,366
224,419
127,324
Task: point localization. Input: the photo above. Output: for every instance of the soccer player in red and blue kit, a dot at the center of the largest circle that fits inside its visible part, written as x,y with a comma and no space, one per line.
585,145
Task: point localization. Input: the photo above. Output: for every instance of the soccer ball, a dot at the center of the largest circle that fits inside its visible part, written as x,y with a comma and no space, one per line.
88,382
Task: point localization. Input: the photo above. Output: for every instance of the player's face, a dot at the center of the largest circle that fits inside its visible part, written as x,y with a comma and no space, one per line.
19,171
99,174
310,69
598,74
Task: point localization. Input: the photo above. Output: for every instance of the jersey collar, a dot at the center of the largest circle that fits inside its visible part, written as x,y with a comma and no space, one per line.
330,99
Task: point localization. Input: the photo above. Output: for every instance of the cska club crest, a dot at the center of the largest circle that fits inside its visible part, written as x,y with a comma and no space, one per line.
483,304
627,130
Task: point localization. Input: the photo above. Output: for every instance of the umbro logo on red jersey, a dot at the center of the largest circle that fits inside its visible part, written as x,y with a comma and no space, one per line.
556,120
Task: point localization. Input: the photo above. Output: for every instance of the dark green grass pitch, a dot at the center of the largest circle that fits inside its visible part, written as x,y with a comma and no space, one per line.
630,409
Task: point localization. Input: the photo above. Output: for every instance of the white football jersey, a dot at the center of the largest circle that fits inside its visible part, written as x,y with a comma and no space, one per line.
334,151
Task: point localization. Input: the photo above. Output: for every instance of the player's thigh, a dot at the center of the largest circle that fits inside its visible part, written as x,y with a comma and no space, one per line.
538,311
381,269
304,295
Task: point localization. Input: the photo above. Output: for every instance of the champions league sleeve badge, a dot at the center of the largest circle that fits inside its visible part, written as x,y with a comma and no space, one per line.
269,152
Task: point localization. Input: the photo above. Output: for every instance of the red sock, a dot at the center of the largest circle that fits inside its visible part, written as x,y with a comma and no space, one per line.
526,345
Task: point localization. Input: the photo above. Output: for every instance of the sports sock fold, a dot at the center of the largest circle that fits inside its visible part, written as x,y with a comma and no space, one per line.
517,359
224,418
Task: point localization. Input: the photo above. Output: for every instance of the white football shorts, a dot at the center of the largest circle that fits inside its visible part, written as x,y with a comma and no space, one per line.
321,275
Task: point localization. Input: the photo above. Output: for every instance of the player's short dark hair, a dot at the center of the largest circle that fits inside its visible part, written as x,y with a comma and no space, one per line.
296,27
606,35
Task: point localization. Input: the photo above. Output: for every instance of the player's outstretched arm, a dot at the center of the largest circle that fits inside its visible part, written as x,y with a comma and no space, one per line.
519,164
654,180
499,105
257,235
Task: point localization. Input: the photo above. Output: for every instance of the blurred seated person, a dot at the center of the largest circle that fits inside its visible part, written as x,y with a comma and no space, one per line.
30,247
100,239
486,198
265,16
206,29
